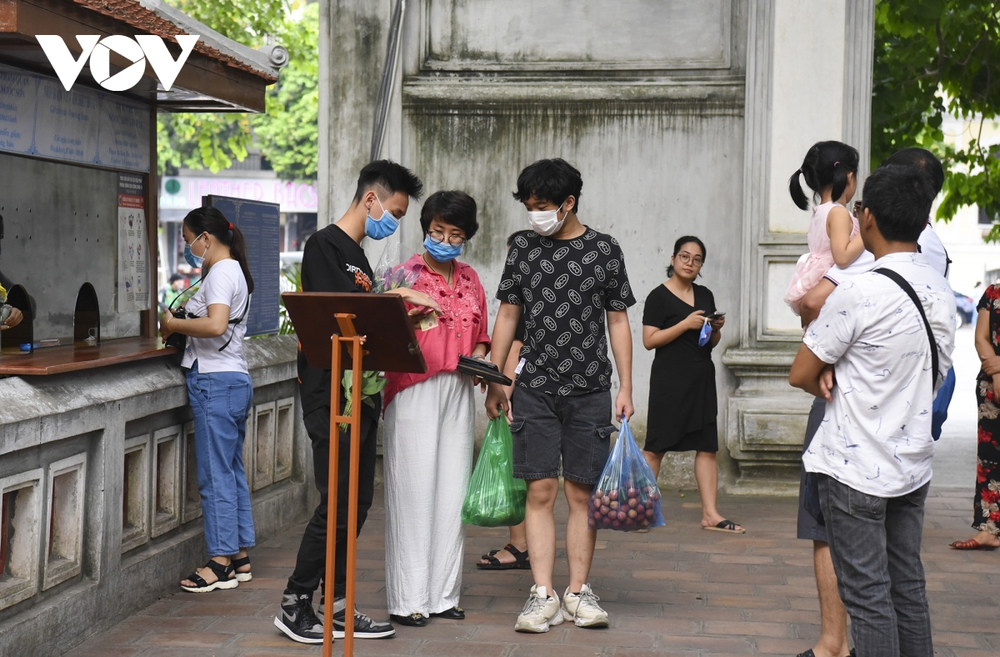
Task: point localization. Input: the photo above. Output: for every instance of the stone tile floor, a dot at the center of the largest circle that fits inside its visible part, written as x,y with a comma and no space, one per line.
674,591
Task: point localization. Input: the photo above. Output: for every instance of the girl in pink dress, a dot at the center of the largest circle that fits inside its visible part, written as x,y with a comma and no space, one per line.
830,169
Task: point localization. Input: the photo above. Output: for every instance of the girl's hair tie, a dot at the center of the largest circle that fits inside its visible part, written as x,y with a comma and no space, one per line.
231,223
834,166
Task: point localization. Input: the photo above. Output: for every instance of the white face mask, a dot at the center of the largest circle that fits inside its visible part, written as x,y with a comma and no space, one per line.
546,222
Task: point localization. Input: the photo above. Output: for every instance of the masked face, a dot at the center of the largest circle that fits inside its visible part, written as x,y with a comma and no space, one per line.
192,259
383,227
442,251
546,222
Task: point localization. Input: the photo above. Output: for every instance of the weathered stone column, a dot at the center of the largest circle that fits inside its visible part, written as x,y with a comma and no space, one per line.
809,71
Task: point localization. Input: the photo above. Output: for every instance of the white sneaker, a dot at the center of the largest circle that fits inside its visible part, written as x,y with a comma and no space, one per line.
540,612
582,608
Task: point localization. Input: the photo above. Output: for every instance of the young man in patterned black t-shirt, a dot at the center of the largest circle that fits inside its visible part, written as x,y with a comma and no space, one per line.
568,278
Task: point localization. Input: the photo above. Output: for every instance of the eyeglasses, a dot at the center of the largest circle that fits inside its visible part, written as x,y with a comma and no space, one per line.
440,238
689,259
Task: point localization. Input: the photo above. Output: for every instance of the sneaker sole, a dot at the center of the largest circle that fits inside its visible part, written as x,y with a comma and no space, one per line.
219,584
538,629
579,622
340,634
287,631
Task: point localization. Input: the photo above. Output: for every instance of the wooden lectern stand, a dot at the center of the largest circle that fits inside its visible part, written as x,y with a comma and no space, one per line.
328,326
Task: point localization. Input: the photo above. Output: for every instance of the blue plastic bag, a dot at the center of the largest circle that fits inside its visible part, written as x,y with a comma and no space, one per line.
626,497
705,335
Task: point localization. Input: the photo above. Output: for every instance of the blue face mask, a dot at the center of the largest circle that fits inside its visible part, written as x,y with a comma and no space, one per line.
191,258
379,229
705,335
442,251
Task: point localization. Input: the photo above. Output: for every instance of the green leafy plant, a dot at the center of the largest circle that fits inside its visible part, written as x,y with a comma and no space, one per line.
287,132
293,276
933,58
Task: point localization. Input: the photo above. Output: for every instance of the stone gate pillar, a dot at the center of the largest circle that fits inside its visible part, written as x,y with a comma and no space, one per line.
809,78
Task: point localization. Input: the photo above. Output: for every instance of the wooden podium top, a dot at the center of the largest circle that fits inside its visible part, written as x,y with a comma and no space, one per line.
390,341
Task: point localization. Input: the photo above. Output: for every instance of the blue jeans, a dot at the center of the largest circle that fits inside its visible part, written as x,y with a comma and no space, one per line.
875,546
221,403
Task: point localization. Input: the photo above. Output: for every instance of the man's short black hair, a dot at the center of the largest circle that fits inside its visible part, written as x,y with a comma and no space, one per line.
389,176
552,180
922,159
452,207
900,199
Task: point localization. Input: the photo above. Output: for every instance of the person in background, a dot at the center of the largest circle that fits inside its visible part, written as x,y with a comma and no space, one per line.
217,370
683,405
986,504
169,293
11,315
832,641
429,429
334,261
872,453
514,555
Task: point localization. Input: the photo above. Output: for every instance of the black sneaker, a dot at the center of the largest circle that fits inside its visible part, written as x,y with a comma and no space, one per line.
297,619
364,626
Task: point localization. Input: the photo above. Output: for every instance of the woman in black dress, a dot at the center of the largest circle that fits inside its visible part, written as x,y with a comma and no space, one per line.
682,400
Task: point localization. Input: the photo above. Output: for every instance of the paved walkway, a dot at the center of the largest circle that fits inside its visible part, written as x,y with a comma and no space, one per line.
674,591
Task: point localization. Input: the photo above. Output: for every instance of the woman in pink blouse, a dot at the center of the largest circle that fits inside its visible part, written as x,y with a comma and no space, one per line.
429,421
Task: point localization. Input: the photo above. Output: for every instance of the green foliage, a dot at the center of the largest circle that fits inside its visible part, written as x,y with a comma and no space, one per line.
287,133
937,57
293,279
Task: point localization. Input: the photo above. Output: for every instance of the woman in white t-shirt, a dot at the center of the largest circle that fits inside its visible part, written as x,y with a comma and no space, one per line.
220,393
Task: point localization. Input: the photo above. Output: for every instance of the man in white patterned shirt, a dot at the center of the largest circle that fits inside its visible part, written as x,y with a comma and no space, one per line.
869,354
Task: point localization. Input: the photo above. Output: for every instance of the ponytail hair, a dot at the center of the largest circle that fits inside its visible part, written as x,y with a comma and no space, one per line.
211,220
826,165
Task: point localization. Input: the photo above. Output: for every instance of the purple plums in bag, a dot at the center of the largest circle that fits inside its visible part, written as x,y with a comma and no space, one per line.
626,497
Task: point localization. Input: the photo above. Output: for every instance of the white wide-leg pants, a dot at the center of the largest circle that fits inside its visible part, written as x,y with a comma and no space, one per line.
427,442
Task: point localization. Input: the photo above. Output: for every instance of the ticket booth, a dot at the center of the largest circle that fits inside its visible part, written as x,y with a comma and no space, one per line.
100,507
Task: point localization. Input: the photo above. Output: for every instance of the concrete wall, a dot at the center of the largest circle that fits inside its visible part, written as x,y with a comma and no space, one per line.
649,107
106,516
684,118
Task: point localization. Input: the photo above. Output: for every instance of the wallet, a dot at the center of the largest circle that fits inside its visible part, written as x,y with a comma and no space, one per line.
483,369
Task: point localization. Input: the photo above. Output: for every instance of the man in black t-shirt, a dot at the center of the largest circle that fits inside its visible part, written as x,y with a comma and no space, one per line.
333,261
568,278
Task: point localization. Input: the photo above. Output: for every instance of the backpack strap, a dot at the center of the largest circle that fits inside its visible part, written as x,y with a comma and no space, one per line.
901,282
236,321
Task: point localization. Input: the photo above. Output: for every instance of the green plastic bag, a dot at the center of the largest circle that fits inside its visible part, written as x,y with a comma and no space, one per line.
495,497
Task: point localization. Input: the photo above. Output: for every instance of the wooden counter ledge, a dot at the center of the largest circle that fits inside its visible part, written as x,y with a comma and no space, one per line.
72,358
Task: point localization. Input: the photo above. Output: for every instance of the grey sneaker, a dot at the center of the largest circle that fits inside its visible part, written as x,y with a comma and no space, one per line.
364,626
582,608
540,612
297,620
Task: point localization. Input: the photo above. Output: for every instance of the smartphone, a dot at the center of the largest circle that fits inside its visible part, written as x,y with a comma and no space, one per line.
717,314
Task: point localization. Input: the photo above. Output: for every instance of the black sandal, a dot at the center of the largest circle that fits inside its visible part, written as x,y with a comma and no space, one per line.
224,573
520,562
239,563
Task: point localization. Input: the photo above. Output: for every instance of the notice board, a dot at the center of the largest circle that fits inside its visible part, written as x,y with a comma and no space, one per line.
260,223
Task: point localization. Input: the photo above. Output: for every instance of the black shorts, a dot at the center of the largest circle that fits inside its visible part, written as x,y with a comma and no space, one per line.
569,435
807,527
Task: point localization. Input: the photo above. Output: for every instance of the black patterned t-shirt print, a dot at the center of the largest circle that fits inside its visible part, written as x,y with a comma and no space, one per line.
564,288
